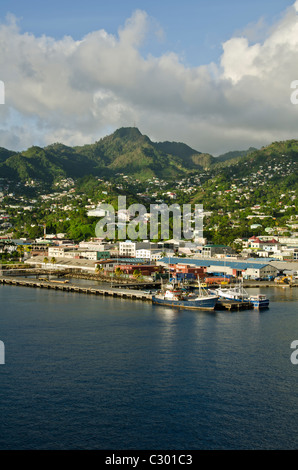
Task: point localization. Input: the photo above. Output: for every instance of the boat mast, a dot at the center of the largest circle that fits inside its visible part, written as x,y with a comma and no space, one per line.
199,282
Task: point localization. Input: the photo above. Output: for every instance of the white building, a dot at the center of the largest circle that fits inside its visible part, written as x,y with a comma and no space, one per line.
262,271
150,254
94,246
156,255
143,253
58,251
71,252
97,212
127,249
145,250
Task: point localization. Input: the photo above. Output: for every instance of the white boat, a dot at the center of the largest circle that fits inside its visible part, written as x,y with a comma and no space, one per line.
231,293
239,294
259,301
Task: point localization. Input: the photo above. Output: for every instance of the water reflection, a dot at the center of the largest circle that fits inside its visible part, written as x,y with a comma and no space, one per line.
277,293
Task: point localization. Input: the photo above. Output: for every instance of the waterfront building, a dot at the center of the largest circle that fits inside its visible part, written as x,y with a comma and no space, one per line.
228,267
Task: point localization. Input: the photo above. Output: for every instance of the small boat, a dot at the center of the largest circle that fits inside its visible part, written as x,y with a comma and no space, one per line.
231,293
175,296
259,301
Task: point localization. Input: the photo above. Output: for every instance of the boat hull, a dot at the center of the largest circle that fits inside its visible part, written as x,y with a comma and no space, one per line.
260,303
201,304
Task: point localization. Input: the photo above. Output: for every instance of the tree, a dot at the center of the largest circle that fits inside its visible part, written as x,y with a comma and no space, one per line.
136,273
98,269
118,271
28,249
20,250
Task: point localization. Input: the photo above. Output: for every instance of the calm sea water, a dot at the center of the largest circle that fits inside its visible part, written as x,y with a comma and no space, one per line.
84,372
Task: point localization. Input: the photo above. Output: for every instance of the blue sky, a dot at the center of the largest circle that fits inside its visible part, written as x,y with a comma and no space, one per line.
203,72
194,29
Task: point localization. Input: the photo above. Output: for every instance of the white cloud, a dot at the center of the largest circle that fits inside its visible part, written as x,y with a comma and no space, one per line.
77,91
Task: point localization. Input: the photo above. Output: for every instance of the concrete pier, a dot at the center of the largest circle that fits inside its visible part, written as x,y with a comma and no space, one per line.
106,291
232,305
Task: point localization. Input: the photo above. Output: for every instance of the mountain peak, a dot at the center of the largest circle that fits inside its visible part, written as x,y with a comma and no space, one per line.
128,132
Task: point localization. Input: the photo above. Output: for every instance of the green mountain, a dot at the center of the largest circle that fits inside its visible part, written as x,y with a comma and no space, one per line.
274,164
126,150
129,152
5,154
45,164
235,154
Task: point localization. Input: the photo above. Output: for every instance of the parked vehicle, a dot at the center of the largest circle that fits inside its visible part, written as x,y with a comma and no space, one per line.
283,279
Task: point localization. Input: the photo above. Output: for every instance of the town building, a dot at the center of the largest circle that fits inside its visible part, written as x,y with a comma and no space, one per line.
252,270
211,250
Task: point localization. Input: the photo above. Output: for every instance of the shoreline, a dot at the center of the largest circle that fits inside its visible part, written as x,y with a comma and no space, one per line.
120,291
110,292
132,282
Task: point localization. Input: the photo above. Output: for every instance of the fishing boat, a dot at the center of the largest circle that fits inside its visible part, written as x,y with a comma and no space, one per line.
259,301
176,296
237,293
231,293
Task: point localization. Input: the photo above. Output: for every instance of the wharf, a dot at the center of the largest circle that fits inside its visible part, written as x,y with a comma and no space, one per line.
33,272
109,292
247,284
123,292
138,285
232,305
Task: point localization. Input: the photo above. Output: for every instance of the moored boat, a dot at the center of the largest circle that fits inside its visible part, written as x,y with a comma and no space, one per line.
174,296
231,293
259,301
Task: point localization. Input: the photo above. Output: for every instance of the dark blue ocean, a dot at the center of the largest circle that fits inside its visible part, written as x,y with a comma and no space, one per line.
84,372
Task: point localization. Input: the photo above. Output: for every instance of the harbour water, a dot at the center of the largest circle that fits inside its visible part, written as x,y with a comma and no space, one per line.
86,372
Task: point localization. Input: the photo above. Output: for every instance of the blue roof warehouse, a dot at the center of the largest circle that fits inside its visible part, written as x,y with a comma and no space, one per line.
235,268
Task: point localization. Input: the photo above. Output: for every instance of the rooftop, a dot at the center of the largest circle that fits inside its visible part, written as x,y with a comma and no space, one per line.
210,262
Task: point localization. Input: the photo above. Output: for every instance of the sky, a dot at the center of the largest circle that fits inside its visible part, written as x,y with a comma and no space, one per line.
215,75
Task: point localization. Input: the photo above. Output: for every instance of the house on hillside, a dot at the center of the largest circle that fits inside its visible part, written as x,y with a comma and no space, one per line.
267,245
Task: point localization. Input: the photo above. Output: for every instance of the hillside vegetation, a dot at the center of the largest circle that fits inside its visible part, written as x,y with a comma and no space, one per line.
129,152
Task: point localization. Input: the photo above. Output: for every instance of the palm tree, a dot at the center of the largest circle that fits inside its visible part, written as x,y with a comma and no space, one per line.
99,269
136,273
28,248
20,250
118,271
